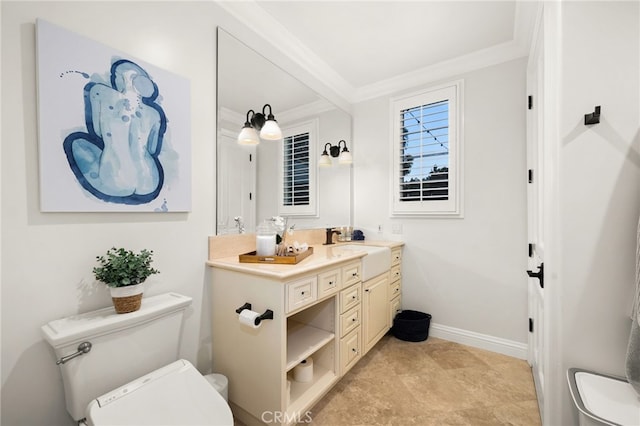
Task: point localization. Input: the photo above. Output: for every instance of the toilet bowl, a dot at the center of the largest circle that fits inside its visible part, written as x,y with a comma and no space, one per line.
131,374
602,399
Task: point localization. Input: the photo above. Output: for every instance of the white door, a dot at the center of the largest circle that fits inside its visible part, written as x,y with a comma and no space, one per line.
236,178
535,198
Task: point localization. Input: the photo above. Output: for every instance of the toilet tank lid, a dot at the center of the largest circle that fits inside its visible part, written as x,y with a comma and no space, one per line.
67,330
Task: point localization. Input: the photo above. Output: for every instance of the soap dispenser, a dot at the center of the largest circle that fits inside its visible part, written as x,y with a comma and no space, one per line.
266,239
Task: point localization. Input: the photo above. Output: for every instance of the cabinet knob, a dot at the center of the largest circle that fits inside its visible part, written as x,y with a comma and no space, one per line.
367,290
354,319
354,350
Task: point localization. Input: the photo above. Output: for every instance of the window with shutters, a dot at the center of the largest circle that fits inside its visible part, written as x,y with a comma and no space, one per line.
427,152
298,172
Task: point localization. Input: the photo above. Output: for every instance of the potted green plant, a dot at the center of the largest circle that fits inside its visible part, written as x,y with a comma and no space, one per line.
124,272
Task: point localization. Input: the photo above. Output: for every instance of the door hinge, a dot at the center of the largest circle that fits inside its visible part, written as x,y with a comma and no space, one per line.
530,102
530,325
530,175
531,245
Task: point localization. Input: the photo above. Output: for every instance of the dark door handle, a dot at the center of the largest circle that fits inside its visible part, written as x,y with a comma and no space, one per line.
539,275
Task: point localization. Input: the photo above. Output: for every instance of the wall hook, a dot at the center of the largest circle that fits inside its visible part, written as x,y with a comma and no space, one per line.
592,118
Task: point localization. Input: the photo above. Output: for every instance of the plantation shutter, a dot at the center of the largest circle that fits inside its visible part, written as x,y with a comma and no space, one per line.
424,152
427,152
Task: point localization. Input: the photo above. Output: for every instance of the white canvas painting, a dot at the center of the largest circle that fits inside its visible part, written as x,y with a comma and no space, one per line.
114,131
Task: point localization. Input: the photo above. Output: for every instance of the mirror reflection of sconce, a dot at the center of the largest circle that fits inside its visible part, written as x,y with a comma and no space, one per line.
268,127
344,156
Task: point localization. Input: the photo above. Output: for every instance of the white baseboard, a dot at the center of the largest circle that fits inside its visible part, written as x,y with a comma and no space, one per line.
477,340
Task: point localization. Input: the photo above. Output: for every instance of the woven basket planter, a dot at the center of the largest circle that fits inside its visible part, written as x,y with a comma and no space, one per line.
127,299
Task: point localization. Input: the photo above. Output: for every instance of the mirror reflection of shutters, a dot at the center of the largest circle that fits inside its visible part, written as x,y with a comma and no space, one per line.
296,164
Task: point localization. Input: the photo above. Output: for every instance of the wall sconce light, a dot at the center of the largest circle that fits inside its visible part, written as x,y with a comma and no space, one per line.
268,127
344,156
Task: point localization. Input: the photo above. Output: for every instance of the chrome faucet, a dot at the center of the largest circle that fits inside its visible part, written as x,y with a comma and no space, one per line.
239,224
330,232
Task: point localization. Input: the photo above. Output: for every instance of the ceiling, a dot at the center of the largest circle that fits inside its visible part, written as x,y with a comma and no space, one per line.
363,49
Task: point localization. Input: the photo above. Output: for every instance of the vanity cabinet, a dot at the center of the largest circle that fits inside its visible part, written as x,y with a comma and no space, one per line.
381,301
395,289
322,312
316,315
350,318
375,307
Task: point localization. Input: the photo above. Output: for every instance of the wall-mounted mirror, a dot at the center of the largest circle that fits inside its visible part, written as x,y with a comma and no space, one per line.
250,178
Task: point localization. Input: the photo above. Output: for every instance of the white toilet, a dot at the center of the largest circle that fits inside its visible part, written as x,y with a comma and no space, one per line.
602,399
131,375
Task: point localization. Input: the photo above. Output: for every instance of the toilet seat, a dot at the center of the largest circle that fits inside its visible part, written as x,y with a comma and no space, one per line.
176,394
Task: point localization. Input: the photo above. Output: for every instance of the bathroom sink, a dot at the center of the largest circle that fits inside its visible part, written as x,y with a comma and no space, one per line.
376,262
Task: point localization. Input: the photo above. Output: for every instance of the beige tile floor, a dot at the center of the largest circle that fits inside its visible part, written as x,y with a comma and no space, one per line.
434,382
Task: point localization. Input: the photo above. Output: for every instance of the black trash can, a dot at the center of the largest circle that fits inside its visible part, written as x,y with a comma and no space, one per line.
411,326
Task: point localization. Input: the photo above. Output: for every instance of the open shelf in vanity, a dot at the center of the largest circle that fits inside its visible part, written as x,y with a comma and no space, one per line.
303,340
311,333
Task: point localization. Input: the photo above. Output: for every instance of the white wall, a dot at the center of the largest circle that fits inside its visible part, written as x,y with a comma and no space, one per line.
467,273
47,257
599,183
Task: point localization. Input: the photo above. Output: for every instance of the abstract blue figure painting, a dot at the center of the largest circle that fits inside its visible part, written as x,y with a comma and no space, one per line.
114,131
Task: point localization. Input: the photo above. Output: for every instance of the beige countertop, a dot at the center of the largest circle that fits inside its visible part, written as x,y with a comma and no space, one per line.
323,256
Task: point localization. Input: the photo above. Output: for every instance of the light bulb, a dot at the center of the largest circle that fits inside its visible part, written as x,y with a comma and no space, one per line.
271,131
325,160
248,136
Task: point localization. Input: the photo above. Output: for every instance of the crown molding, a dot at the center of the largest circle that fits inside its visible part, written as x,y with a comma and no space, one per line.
226,114
267,27
524,22
446,69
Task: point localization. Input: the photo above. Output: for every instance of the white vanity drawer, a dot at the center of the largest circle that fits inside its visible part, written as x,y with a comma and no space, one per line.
301,293
350,350
350,320
396,272
329,282
396,256
350,297
394,289
350,274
